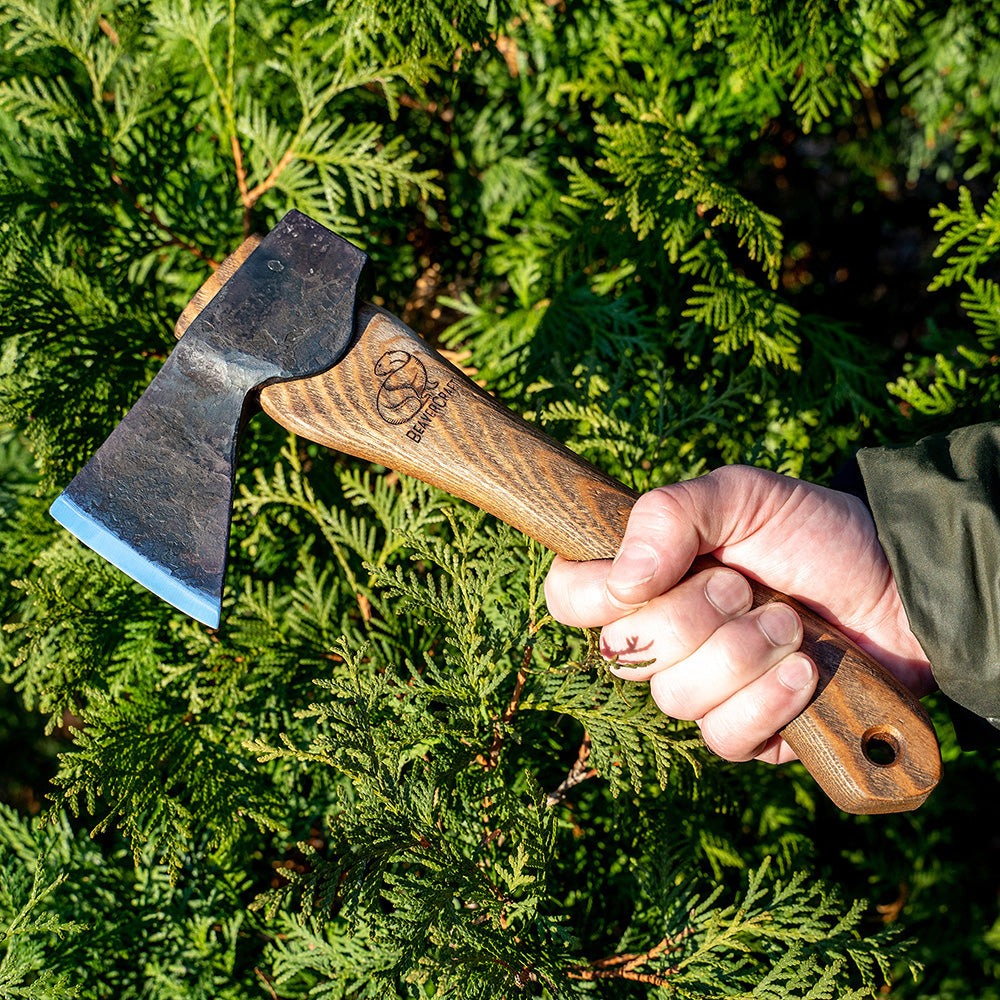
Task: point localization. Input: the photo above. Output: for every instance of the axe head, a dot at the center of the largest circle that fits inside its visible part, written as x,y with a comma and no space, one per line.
156,498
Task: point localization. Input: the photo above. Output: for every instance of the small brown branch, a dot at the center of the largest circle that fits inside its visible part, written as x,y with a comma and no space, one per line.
871,104
366,607
250,196
507,48
241,174
173,239
626,966
266,981
578,773
637,977
492,756
105,25
522,676
890,911
268,182
443,111
630,962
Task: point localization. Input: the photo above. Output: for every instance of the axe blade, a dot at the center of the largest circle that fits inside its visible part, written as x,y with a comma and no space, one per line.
156,498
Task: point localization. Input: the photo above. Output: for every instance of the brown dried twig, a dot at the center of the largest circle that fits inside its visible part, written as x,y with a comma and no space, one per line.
578,772
267,982
626,966
172,238
492,756
250,196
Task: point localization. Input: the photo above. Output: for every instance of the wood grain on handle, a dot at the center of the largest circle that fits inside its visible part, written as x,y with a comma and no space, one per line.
393,400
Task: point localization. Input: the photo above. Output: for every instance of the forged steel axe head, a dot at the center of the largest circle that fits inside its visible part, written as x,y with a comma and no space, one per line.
156,498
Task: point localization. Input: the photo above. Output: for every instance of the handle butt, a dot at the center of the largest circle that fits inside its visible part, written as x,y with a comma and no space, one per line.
864,737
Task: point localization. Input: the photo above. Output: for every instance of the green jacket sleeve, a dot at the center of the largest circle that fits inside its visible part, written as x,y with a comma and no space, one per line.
936,506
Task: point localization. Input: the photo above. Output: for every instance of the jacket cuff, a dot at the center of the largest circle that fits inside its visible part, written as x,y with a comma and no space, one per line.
972,732
936,507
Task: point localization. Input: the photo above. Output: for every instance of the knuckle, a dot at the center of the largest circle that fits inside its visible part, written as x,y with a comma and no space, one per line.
733,664
653,503
671,634
659,510
731,477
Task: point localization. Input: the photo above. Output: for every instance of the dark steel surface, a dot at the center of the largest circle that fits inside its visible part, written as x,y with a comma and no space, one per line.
163,481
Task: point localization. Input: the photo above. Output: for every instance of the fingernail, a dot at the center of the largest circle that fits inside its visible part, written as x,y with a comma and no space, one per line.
796,673
779,624
728,592
633,566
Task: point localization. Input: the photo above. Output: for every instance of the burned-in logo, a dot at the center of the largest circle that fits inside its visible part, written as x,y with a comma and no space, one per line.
408,395
405,388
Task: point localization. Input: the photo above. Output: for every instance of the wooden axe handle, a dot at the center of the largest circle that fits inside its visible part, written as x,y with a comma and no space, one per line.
395,401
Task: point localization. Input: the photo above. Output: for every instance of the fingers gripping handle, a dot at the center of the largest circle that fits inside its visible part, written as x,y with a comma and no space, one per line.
865,737
393,400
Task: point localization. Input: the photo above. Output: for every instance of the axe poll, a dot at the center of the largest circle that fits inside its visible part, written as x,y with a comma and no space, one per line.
279,326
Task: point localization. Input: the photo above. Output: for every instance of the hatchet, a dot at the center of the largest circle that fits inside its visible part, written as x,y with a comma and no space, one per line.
280,326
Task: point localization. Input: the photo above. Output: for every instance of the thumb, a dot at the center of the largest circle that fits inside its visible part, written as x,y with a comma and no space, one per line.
670,526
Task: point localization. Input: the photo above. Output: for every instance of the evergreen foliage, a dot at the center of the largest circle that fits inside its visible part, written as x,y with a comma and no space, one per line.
649,227
966,373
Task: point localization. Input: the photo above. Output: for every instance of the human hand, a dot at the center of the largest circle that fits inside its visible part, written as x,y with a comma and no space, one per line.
707,655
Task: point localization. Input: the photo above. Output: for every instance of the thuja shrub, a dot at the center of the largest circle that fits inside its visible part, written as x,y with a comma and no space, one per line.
675,235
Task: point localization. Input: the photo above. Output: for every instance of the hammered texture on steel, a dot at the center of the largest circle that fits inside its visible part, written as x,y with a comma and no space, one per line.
162,483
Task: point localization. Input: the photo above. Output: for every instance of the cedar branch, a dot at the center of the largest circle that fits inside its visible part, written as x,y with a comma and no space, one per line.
173,238
626,966
266,981
522,676
250,196
492,756
578,772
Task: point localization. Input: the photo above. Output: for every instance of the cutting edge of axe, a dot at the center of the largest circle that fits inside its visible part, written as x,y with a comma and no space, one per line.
154,578
366,385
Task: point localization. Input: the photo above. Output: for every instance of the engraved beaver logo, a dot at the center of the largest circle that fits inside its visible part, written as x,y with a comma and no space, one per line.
405,386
